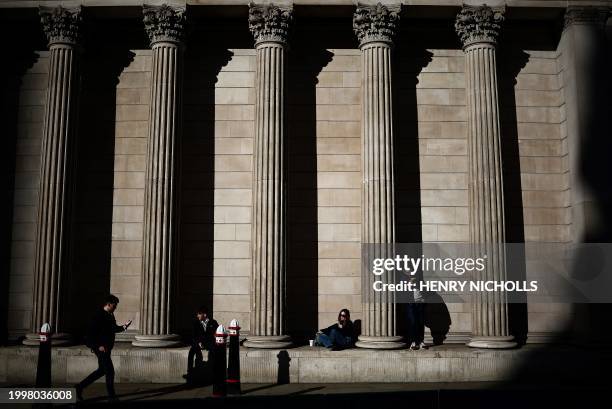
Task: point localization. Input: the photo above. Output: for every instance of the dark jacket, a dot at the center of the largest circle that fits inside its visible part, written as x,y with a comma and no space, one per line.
102,330
205,337
347,330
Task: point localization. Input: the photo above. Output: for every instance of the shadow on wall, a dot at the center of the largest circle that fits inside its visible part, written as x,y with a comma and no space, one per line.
102,61
411,57
307,57
196,248
511,60
20,56
207,52
283,368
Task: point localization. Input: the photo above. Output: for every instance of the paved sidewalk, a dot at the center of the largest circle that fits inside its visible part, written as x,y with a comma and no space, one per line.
134,392
471,395
351,396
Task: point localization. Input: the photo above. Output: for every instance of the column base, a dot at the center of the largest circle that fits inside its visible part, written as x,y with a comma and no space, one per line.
59,339
369,342
157,341
505,342
268,341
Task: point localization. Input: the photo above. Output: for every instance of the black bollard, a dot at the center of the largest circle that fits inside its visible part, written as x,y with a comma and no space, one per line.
233,365
43,369
219,364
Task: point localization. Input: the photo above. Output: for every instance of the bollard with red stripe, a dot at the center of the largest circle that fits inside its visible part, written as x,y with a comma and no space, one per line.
233,367
43,369
219,363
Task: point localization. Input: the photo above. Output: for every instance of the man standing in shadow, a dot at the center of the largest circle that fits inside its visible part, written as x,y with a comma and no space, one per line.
101,339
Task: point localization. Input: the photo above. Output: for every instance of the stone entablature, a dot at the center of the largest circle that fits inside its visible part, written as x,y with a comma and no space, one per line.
315,3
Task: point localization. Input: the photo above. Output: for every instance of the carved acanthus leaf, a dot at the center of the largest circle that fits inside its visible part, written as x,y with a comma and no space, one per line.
479,24
376,23
164,23
269,22
61,25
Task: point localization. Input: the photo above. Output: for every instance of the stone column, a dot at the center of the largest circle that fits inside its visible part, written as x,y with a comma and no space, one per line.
583,49
478,28
269,25
61,26
583,56
375,27
164,27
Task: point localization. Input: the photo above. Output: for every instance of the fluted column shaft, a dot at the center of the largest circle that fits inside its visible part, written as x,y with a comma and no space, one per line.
478,28
51,252
378,210
377,195
268,240
269,194
161,180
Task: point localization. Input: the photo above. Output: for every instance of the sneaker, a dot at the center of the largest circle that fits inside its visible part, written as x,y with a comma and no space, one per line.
423,345
79,392
113,399
414,346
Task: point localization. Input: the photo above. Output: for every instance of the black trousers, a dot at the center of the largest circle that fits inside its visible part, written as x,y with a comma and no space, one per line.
194,352
105,367
416,322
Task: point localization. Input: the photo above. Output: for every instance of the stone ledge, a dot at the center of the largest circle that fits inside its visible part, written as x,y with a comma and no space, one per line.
447,363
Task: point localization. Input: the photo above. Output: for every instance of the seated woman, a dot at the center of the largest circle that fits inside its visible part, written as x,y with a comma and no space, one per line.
340,335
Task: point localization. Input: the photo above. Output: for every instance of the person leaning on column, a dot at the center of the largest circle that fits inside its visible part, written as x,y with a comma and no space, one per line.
101,339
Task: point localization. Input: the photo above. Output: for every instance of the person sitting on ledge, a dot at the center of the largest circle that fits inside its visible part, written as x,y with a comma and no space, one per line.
340,335
203,337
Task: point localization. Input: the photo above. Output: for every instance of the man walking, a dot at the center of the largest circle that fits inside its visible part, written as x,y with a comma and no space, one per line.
101,338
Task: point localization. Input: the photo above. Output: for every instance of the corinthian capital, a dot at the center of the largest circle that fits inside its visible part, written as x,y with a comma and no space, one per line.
269,22
586,15
61,25
479,24
376,23
164,23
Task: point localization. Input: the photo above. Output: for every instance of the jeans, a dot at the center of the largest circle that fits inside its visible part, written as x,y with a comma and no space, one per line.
105,367
335,338
416,322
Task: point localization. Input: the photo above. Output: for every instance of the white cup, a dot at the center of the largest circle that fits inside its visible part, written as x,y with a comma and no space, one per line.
311,342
